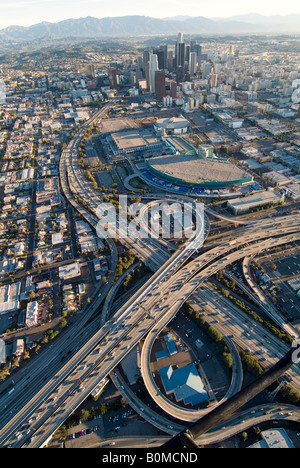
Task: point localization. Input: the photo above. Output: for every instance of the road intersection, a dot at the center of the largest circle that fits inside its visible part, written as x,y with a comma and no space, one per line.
146,313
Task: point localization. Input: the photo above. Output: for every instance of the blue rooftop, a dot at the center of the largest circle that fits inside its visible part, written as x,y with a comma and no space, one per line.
162,354
170,344
185,383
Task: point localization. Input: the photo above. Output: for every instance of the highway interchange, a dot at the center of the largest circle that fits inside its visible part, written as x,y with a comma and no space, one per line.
37,407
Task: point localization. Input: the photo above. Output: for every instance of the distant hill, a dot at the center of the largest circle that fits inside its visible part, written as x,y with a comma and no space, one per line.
273,23
126,26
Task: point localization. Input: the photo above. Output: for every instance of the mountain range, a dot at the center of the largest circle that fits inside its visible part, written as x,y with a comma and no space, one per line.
129,26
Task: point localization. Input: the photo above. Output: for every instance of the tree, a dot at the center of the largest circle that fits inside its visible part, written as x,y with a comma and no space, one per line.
63,323
225,292
123,402
31,295
84,415
103,409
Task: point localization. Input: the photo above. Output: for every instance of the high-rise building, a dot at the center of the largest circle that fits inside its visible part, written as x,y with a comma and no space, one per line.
180,76
173,88
206,68
193,45
179,51
180,37
112,76
146,58
140,64
153,67
197,48
162,54
160,85
187,51
193,63
91,70
160,58
213,81
170,60
180,54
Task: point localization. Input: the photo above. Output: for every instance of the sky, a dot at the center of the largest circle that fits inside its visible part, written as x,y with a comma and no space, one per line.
28,12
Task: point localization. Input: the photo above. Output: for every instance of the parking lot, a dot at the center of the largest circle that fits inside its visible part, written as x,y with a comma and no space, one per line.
287,271
289,266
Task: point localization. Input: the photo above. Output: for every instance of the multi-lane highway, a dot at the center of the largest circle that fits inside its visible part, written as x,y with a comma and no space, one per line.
132,323
185,292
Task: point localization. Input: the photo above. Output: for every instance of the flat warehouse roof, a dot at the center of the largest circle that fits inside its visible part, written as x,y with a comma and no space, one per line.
134,139
117,125
255,199
125,140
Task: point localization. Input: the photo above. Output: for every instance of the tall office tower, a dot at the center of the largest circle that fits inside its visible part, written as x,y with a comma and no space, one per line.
180,38
193,45
162,56
180,76
160,85
187,51
146,58
206,69
164,49
112,76
91,70
179,51
140,64
193,63
213,82
173,89
180,54
198,49
217,68
153,67
170,60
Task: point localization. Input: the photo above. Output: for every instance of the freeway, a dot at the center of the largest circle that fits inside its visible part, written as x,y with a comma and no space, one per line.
251,336
106,348
142,329
250,418
259,298
74,182
163,282
185,292
284,240
110,327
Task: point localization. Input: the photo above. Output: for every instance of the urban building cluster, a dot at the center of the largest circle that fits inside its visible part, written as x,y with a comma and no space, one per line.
45,249
214,121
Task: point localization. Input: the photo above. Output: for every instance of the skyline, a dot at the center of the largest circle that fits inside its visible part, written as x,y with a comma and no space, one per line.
29,12
149,232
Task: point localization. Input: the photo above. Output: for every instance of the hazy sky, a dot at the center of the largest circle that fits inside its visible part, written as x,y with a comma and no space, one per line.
28,12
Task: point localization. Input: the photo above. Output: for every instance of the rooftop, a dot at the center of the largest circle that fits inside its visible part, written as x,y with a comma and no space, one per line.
172,123
185,383
274,438
259,198
134,138
195,170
